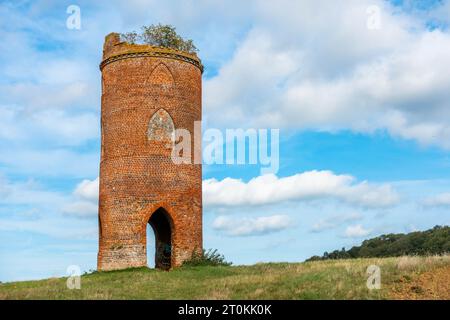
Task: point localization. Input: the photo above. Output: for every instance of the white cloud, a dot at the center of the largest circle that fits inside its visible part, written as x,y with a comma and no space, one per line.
85,203
43,162
81,209
296,70
310,185
334,221
356,231
251,226
50,126
439,200
57,228
29,193
28,206
88,189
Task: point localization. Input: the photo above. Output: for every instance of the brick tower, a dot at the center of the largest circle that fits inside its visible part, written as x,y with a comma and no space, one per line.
147,92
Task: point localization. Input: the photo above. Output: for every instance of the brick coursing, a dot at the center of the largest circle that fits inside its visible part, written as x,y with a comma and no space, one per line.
137,175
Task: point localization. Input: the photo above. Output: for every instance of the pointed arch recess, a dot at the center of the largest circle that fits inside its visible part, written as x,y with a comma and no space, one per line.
161,126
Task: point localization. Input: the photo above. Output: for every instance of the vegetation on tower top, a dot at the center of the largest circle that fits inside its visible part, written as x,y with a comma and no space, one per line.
160,35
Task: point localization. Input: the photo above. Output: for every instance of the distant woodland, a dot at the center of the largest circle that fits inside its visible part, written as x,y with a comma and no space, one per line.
435,241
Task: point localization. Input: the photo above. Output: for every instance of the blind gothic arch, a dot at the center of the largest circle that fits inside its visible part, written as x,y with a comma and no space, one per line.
162,76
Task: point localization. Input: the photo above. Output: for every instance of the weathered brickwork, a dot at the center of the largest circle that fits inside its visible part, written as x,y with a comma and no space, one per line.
146,93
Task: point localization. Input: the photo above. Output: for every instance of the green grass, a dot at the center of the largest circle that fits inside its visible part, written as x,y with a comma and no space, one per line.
332,279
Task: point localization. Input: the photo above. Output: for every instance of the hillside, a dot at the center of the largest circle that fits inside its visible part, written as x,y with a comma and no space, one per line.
401,278
429,242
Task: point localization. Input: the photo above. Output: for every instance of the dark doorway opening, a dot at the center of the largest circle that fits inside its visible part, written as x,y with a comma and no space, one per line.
160,223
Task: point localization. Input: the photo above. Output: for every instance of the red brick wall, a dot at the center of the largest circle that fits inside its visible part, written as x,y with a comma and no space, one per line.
137,175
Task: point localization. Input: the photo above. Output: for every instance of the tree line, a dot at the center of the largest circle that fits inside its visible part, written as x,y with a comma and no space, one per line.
435,241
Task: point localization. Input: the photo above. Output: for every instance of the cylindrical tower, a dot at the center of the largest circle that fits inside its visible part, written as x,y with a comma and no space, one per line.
147,93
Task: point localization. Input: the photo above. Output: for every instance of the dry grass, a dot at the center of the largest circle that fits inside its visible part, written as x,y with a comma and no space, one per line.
415,263
401,278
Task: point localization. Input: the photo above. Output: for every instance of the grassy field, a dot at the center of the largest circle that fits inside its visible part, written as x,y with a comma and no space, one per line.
401,278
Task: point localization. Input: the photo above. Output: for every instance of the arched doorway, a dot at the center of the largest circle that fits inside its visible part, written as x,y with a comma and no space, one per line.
160,223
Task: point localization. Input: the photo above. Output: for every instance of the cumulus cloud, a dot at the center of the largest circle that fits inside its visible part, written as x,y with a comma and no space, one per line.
356,231
310,185
332,73
88,189
251,226
85,203
439,200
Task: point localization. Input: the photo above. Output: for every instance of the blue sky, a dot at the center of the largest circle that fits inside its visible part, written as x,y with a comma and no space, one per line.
359,91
